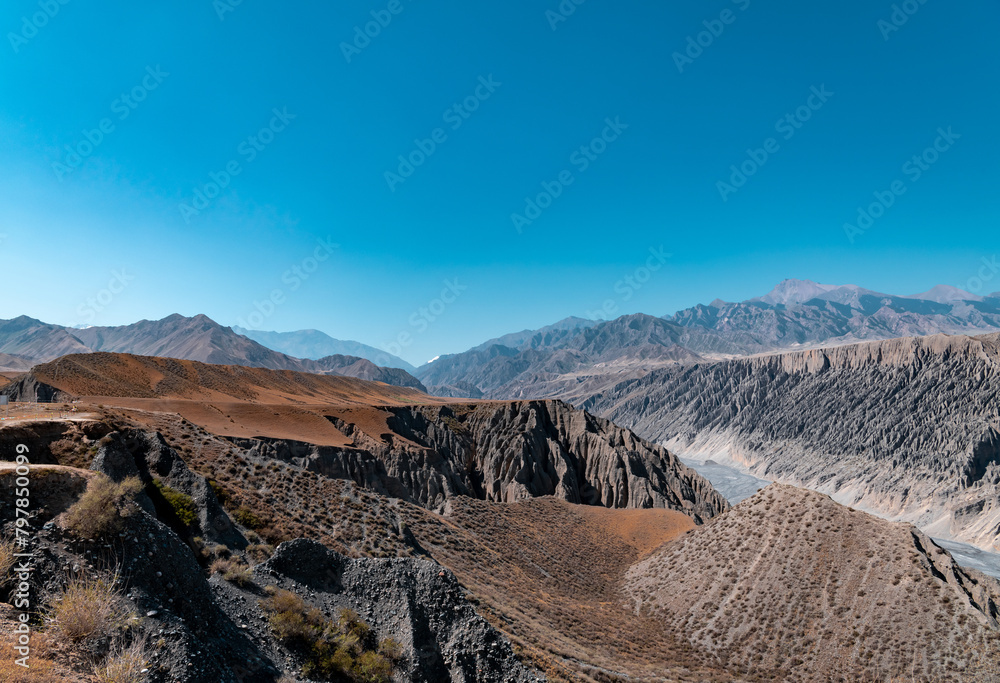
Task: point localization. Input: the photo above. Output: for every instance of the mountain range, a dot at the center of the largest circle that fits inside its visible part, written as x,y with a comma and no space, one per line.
26,341
315,345
577,357
573,358
804,313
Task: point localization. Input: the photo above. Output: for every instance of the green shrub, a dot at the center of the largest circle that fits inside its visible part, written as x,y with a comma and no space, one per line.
221,494
182,504
244,516
350,623
372,667
332,650
101,508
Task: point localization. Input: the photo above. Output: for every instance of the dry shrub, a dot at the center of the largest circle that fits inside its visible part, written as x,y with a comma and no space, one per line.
233,570
259,552
341,650
90,609
7,551
125,662
43,666
102,506
294,623
41,670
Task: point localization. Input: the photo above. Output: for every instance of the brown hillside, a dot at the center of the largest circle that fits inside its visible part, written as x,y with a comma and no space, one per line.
792,585
127,376
550,574
229,400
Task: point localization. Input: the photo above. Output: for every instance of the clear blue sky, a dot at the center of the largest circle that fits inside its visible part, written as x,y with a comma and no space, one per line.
208,85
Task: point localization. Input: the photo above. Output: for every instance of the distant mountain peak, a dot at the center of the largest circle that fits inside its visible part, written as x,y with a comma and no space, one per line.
315,344
945,294
792,291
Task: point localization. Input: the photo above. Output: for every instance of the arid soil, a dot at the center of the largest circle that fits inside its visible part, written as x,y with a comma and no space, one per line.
792,583
654,580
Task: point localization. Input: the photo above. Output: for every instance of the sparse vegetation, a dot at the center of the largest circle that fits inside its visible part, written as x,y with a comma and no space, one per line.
233,569
102,507
125,662
244,516
90,609
221,494
259,552
182,504
332,650
562,594
43,668
7,550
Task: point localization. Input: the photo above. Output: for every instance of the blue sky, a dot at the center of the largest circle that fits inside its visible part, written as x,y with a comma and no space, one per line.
436,256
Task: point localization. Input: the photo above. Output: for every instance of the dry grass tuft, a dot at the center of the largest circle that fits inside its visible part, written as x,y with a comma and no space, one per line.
40,671
125,663
90,609
101,508
7,551
233,570
44,667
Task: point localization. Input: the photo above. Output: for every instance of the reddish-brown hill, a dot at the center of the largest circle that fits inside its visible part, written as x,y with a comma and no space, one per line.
126,376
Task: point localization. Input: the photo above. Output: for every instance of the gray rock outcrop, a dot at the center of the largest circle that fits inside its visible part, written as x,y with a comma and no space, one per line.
505,452
907,428
415,602
146,455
